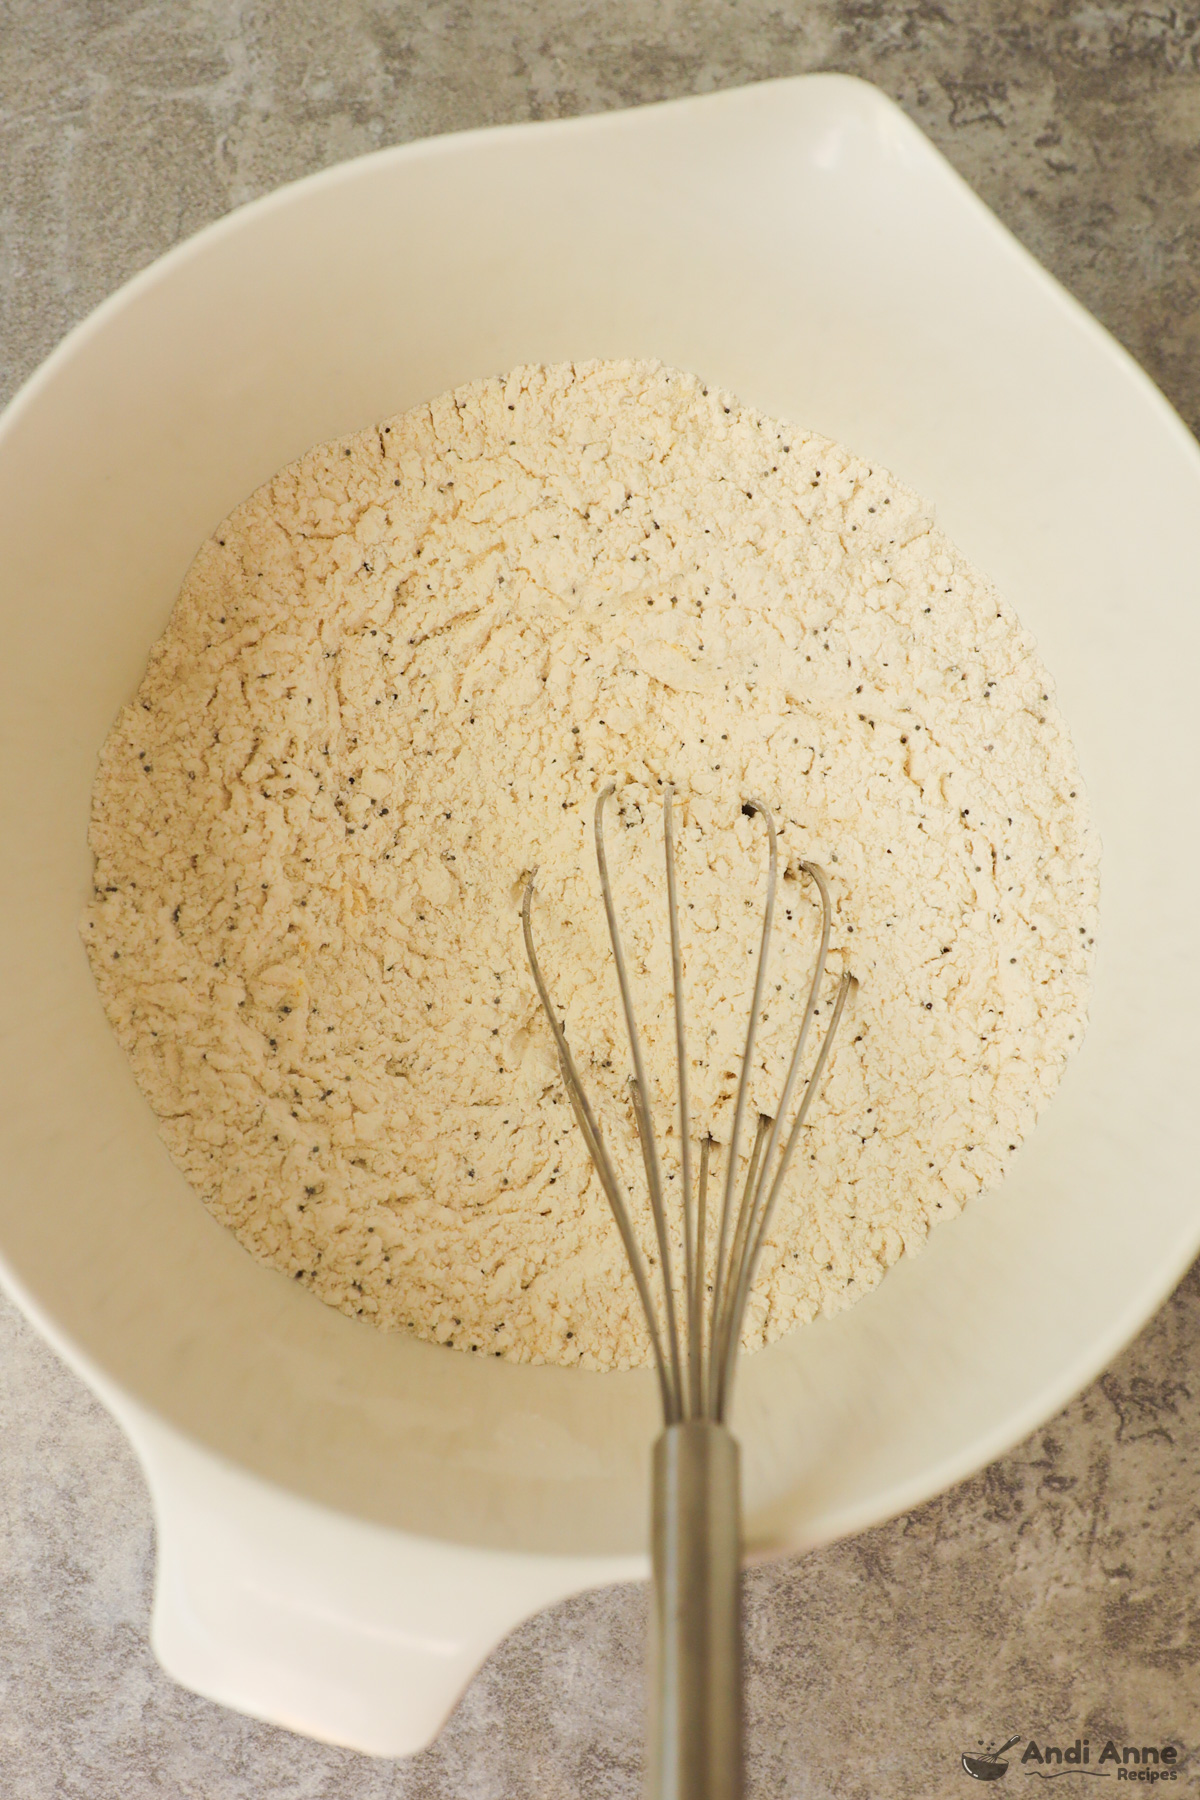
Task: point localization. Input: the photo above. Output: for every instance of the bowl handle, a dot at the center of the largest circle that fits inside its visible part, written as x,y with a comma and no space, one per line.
352,1633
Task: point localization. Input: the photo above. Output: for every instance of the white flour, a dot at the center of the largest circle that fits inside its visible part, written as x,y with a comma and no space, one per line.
395,680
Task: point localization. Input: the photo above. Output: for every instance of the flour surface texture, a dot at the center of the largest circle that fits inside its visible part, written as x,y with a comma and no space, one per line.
394,682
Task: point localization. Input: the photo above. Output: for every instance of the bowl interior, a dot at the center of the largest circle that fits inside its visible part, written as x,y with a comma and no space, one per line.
800,244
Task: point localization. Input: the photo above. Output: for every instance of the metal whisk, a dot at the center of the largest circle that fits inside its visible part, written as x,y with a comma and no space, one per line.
695,1749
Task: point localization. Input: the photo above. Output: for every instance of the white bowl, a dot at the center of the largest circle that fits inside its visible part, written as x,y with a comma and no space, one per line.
348,1520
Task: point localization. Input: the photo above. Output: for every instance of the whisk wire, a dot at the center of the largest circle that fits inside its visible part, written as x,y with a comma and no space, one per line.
642,1115
688,1391
743,1088
846,986
744,1255
658,1213
696,1333
723,1322
597,1151
814,991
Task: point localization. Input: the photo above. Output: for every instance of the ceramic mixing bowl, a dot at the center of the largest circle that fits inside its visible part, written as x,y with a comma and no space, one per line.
348,1520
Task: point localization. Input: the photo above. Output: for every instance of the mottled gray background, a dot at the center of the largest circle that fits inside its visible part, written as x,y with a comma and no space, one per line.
1059,1591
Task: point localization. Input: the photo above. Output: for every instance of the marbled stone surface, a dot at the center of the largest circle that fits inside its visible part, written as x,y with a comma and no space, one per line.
1058,1592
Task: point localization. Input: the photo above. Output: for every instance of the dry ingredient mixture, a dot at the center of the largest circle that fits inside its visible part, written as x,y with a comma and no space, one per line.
395,680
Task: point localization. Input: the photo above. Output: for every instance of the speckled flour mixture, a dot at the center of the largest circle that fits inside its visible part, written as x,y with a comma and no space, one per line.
395,680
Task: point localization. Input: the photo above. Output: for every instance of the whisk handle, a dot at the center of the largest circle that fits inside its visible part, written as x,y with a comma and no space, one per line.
695,1736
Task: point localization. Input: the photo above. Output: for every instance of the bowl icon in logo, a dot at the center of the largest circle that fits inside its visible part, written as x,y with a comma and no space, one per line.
989,1766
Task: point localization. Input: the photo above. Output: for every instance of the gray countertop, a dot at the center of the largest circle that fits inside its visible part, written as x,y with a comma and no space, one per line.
1057,1594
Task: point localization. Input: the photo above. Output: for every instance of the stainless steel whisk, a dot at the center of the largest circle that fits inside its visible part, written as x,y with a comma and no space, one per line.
695,1748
